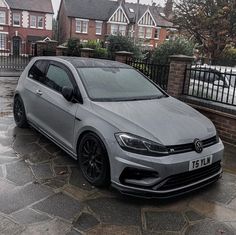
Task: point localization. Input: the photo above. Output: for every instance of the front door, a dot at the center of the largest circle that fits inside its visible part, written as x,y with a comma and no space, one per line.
16,46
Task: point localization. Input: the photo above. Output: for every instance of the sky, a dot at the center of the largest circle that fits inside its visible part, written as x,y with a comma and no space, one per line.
56,3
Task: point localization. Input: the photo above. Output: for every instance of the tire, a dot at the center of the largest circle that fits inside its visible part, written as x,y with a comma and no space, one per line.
19,112
93,160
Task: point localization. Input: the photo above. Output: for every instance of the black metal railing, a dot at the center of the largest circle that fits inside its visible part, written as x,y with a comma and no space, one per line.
156,72
13,53
211,83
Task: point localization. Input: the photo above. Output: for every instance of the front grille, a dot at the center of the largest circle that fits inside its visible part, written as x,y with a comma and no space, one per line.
184,148
190,177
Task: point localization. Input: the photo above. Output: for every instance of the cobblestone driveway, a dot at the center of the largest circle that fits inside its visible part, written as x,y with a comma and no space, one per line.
42,192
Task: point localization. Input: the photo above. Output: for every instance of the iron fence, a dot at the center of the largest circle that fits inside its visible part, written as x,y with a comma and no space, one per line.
211,83
156,72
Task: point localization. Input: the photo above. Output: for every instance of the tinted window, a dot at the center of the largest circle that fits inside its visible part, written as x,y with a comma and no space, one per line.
37,71
117,84
57,78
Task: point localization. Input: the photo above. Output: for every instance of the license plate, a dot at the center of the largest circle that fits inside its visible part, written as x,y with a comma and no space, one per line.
199,163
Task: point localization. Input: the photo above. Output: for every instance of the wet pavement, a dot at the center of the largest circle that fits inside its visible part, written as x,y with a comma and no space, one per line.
42,192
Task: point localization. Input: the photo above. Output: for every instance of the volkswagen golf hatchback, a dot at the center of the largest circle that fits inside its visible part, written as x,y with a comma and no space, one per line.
121,127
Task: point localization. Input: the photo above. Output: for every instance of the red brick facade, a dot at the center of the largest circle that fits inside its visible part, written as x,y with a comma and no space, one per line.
18,38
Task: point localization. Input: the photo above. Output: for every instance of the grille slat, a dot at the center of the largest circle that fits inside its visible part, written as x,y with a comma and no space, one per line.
184,148
190,177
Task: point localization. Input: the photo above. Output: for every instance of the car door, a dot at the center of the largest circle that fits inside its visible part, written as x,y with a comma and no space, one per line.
56,114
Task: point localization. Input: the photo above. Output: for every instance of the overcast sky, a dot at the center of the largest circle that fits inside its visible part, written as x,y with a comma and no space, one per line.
56,3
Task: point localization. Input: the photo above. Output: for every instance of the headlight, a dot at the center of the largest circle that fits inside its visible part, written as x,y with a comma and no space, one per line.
136,144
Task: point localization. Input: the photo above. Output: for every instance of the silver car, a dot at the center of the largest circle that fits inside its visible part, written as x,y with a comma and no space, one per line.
121,127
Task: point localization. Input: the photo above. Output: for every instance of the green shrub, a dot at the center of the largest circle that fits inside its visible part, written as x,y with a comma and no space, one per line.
93,44
100,53
172,47
74,46
121,43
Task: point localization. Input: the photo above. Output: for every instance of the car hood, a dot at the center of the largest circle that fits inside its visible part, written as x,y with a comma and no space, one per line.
166,120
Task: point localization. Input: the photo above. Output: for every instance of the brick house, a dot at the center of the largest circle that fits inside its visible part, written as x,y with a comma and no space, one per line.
95,20
22,23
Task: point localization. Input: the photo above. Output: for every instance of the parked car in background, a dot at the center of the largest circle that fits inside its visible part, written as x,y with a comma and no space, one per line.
120,126
214,83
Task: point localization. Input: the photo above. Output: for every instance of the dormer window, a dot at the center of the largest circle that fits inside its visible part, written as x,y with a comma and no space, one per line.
16,19
2,17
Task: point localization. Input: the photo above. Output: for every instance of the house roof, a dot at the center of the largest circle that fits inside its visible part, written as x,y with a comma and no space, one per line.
103,10
31,5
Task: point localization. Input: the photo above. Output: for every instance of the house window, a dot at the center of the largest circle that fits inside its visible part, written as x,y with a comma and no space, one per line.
148,32
33,21
118,29
3,39
141,32
2,17
81,26
40,22
16,19
157,33
98,27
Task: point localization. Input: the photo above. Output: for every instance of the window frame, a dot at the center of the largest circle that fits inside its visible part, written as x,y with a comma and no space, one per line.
100,24
31,20
158,30
3,40
40,17
143,32
148,36
81,23
3,17
13,19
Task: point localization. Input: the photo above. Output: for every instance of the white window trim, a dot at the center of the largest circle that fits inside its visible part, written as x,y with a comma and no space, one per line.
4,23
16,25
30,17
81,25
4,33
147,11
99,22
38,22
146,32
120,7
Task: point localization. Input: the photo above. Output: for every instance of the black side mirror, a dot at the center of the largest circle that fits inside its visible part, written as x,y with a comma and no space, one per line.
68,93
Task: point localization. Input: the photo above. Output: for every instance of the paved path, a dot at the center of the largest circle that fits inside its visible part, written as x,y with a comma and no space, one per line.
42,192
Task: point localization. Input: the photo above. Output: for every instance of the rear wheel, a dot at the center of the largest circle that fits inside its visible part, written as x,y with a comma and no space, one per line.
19,112
93,160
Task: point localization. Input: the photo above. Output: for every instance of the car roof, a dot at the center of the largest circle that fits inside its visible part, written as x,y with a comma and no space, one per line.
82,62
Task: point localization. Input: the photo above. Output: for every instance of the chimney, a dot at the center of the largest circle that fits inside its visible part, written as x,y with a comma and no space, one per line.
168,9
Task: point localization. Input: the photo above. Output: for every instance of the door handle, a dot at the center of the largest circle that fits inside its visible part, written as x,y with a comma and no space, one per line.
38,92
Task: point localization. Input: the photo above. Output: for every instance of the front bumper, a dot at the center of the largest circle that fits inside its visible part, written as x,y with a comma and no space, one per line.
173,175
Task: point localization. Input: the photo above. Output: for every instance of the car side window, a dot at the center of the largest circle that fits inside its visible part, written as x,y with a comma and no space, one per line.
57,78
37,71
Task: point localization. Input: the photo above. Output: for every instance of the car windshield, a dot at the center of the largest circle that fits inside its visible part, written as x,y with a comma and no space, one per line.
117,84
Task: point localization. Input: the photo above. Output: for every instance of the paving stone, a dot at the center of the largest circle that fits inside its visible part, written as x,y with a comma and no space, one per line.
20,197
208,227
56,226
114,230
24,131
42,171
115,211
73,232
29,216
222,192
43,140
164,221
5,187
19,173
27,149
22,140
8,227
61,171
60,205
1,172
193,216
55,183
52,148
5,160
78,180
85,222
9,153
6,141
64,159
40,156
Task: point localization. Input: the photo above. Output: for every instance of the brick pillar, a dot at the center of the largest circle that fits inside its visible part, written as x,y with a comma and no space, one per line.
61,50
123,56
87,52
176,78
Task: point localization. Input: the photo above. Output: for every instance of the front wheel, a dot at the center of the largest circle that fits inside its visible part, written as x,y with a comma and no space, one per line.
19,112
93,160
